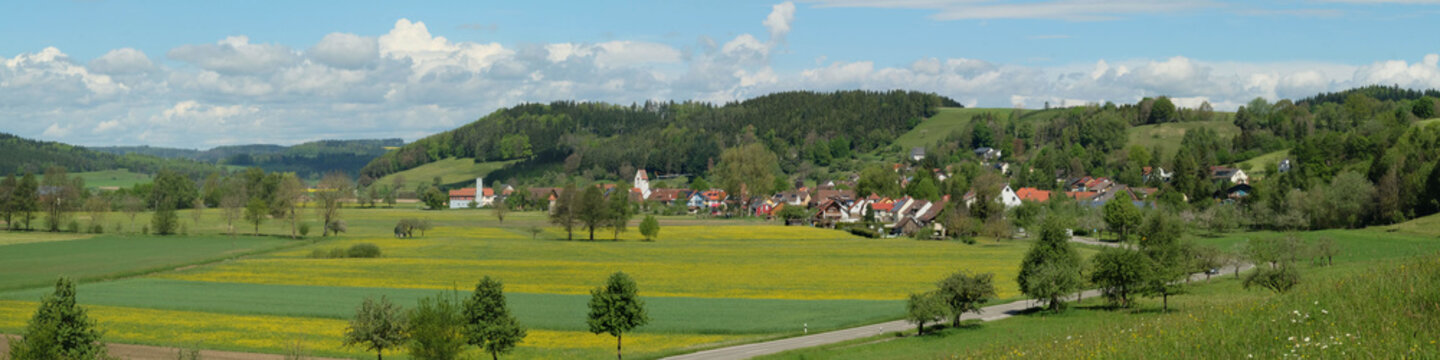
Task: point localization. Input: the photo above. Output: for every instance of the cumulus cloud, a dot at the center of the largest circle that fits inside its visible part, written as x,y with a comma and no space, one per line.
122,61
236,55
410,82
347,51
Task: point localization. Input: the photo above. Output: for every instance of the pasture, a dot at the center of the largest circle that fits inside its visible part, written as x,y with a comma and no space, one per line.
707,282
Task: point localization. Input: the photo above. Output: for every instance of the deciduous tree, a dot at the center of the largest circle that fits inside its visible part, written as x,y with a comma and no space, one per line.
1051,268
330,196
964,292
924,308
616,308
60,329
378,325
437,327
488,323
1120,273
650,228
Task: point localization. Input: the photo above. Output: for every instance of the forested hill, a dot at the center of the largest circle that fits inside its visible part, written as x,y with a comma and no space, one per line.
671,137
1376,92
309,160
33,156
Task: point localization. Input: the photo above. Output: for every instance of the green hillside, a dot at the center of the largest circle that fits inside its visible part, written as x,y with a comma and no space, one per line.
1256,166
450,171
34,156
943,123
1167,136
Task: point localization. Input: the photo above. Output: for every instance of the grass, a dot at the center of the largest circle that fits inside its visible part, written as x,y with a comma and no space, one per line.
1257,165
942,124
1167,136
451,170
15,238
1427,122
119,178
713,316
107,256
1344,311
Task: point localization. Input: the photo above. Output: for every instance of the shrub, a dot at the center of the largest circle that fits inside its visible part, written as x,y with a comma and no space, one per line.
73,226
863,231
304,229
363,250
318,254
145,230
98,229
337,253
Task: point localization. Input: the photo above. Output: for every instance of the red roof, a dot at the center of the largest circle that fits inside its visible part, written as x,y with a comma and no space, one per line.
1080,195
714,194
883,205
644,175
466,192
1033,194
488,192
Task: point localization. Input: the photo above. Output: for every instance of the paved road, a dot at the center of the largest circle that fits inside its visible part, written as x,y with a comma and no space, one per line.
1092,241
990,313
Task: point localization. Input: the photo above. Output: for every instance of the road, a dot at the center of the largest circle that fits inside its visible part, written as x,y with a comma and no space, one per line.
989,313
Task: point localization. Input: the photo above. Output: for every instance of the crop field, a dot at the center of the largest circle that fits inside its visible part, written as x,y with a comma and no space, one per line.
707,282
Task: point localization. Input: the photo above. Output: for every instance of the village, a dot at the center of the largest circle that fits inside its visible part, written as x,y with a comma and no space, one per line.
833,204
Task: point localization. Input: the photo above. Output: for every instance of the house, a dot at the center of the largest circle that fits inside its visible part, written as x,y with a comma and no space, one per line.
667,197
1239,192
793,197
1146,173
713,199
830,212
1002,167
917,153
1082,196
1008,197
845,197
1233,175
987,153
642,184
1094,184
549,195
1285,165
884,210
461,198
1033,194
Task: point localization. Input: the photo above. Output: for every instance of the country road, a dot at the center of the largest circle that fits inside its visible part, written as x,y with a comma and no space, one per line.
990,313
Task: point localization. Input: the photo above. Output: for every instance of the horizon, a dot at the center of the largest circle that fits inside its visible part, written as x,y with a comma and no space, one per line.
198,76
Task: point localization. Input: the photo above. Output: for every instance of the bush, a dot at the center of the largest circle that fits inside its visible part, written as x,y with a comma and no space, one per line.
73,226
304,229
364,250
967,239
337,253
98,229
318,254
863,231
145,230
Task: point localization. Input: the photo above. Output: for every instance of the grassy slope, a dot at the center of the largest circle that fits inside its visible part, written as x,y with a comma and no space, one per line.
1257,165
112,178
1427,122
450,170
39,263
1220,319
1167,136
941,125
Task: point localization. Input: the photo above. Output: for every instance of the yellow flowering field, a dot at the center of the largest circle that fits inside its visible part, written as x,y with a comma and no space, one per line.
323,336
720,261
16,237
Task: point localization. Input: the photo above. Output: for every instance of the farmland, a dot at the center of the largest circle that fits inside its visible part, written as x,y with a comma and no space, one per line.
1335,310
112,178
706,282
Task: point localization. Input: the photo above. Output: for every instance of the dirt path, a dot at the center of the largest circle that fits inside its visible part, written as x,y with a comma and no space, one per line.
146,352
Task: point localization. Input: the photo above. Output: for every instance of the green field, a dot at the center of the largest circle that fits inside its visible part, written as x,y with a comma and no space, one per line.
452,170
708,282
39,263
112,178
1335,307
1167,136
1427,122
942,124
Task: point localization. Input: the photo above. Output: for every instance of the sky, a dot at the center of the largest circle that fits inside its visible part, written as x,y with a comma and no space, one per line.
200,74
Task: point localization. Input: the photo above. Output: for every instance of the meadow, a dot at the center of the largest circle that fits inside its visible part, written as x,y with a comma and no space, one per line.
1340,311
119,178
452,170
708,282
943,123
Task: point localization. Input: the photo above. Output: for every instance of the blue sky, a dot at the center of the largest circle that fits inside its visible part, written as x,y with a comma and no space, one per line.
202,74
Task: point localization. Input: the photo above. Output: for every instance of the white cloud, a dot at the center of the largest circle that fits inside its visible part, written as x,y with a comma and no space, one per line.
343,50
56,131
236,55
1069,10
106,126
781,15
122,61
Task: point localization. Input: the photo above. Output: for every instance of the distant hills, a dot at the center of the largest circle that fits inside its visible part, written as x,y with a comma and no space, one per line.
308,160
23,155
